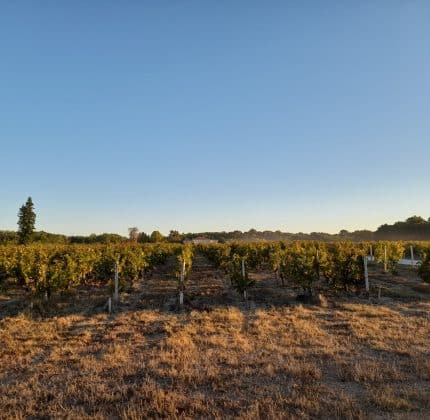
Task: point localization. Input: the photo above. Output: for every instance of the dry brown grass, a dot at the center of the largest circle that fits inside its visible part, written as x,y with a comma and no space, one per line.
354,362
351,360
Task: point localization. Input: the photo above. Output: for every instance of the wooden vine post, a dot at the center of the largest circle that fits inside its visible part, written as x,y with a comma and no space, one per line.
318,264
116,285
366,273
181,284
385,259
245,294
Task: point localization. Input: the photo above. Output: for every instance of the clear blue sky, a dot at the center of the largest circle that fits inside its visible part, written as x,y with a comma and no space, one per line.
214,115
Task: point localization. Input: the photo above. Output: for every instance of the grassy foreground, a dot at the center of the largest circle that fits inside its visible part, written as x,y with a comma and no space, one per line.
352,361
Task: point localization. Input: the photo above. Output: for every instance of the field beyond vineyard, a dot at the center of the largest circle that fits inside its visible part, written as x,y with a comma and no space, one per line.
353,355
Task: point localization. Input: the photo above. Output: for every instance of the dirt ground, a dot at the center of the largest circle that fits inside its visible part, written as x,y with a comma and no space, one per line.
220,357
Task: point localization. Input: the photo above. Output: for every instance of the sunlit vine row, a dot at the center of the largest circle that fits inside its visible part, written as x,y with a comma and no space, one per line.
46,268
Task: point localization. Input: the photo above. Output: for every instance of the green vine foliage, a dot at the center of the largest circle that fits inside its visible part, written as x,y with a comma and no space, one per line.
184,254
239,280
48,268
394,250
424,268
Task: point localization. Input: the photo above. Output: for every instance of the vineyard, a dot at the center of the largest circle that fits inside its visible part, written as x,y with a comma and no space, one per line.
49,268
46,269
258,329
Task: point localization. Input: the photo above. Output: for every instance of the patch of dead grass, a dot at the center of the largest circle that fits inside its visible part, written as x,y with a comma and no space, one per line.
295,362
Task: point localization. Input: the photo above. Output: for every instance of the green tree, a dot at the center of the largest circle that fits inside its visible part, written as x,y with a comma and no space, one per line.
156,236
133,234
26,222
143,237
416,220
175,236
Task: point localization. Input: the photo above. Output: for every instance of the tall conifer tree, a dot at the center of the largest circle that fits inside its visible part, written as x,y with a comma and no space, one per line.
26,222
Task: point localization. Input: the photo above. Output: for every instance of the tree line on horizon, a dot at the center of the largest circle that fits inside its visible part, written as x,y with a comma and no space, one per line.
414,228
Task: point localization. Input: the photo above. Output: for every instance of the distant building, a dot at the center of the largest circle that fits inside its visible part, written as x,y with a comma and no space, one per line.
200,241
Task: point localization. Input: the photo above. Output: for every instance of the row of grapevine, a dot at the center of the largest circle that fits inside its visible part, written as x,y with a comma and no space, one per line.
340,264
184,261
47,268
